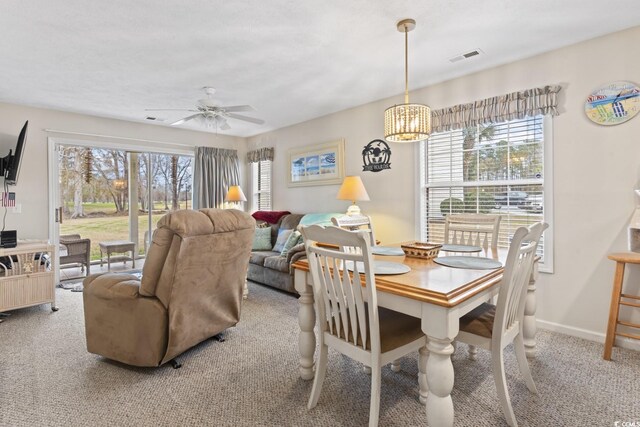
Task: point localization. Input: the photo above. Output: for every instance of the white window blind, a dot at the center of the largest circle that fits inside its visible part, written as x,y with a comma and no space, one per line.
262,185
491,168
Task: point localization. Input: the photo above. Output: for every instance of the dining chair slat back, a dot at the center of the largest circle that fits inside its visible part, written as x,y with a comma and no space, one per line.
355,222
494,327
472,229
347,310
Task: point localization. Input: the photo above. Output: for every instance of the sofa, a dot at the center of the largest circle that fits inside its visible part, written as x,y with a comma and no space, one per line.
272,267
191,289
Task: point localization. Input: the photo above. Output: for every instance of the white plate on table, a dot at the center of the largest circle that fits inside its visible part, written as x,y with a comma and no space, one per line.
381,267
460,248
470,262
387,250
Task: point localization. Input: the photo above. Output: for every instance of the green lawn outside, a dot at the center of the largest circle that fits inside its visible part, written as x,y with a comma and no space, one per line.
110,208
100,229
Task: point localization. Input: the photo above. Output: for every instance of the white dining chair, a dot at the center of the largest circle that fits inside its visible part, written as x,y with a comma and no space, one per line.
355,222
493,327
349,318
472,229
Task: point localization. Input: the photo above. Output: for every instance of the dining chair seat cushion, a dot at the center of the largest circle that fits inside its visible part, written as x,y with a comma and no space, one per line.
479,321
396,330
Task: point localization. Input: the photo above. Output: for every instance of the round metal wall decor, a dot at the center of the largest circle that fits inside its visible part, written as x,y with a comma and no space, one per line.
376,156
613,103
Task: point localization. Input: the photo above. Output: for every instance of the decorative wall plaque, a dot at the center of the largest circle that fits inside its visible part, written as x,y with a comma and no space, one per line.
613,103
376,156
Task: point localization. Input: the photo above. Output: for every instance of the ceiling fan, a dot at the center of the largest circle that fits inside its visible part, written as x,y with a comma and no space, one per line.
211,112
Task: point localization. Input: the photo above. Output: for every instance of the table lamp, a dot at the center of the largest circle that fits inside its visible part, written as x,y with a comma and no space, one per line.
235,195
353,189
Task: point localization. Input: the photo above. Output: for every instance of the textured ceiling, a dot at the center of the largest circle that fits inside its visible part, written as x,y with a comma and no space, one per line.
292,60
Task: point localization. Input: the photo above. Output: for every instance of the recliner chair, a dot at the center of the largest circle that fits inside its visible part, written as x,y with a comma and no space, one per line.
191,289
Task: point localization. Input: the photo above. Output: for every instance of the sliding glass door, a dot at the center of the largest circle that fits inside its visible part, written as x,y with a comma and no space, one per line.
164,183
114,194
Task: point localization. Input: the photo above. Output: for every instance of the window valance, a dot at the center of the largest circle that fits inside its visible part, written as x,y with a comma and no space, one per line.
260,155
514,105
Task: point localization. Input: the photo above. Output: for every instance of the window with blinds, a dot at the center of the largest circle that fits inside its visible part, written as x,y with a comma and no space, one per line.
489,168
262,185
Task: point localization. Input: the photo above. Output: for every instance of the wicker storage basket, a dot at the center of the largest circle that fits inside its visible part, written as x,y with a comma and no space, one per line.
422,250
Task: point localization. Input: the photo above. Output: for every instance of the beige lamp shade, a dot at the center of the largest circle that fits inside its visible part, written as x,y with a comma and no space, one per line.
235,194
353,189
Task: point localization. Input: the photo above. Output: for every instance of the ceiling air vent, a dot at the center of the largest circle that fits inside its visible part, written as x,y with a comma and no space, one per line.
152,118
155,119
467,55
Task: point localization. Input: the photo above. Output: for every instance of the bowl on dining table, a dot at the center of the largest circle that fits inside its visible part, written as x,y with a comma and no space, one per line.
424,250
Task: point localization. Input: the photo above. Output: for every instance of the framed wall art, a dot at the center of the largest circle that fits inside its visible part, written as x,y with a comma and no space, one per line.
321,164
613,103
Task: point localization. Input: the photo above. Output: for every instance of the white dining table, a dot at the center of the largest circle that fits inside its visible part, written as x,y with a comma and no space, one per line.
438,295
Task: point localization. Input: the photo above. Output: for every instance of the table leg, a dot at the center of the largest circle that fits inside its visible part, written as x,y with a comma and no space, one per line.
133,258
422,374
529,327
440,382
108,260
101,256
306,321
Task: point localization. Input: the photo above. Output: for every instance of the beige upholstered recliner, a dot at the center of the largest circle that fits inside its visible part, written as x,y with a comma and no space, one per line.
191,289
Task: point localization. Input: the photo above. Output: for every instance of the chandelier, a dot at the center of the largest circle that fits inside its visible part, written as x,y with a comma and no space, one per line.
407,122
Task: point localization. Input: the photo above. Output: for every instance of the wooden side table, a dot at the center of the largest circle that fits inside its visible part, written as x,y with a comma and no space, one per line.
117,246
618,299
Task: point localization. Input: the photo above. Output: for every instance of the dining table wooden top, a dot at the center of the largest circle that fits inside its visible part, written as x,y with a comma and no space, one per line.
433,283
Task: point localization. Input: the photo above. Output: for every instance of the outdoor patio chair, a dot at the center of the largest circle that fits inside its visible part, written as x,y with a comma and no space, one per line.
77,252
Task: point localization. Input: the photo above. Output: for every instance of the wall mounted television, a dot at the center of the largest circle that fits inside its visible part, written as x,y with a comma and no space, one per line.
10,164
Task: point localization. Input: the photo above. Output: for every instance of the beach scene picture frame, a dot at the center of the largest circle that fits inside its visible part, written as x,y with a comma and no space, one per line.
613,103
321,164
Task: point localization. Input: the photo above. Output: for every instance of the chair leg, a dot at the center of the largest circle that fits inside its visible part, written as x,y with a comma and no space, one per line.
366,369
497,365
376,379
473,352
395,365
523,363
321,369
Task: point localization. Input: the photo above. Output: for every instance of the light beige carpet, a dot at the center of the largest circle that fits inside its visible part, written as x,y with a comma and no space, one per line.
48,379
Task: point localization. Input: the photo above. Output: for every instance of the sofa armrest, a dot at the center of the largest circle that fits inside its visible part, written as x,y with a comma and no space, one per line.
112,286
297,249
296,253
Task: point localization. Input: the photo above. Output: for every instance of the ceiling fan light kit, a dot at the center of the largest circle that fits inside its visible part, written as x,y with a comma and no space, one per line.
212,113
407,122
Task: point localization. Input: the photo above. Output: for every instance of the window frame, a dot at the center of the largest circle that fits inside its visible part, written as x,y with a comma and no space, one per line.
255,184
547,184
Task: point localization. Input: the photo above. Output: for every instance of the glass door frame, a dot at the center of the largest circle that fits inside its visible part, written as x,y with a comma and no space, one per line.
53,144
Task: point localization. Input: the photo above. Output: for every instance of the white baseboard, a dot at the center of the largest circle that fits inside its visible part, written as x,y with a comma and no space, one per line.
587,335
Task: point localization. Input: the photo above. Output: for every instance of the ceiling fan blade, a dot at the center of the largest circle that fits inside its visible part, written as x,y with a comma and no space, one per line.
233,108
186,119
168,109
245,118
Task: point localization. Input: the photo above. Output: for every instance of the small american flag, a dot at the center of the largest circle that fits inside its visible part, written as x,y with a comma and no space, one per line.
8,200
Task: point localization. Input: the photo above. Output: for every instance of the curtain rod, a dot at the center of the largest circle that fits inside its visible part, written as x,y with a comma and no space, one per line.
95,135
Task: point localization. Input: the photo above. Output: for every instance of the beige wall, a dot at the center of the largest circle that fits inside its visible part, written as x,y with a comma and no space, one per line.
595,170
31,191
